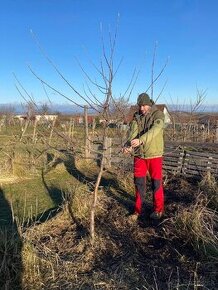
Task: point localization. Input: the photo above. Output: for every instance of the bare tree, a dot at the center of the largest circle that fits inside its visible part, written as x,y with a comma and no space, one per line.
30,109
7,113
185,119
119,109
44,109
98,95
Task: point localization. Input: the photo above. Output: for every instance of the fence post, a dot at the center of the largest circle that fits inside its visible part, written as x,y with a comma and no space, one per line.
87,146
209,163
93,126
107,152
183,161
216,138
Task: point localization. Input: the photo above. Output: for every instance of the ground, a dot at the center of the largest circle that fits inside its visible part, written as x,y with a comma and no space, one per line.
125,254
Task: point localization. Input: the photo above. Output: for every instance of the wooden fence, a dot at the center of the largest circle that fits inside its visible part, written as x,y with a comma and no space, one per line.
178,159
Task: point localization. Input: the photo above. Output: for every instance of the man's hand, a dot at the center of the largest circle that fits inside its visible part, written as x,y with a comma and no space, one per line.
135,143
126,150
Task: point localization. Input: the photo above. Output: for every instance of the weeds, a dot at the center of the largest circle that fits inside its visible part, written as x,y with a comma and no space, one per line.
197,225
209,186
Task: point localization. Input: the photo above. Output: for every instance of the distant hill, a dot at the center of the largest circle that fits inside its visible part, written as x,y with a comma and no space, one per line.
19,108
187,108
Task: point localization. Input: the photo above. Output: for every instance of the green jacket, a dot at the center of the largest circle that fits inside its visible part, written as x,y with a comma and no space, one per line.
149,129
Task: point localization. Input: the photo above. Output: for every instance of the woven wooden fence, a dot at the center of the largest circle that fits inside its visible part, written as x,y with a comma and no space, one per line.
177,159
199,163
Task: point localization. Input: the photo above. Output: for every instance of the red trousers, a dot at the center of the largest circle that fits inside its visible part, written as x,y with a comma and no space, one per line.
154,167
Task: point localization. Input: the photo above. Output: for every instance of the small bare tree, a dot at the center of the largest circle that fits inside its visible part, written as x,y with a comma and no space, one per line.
185,119
97,95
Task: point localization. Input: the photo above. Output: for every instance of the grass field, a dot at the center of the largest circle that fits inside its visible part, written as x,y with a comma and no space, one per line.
54,252
45,220
31,197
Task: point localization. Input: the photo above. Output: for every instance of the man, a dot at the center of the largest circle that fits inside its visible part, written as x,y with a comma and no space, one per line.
146,143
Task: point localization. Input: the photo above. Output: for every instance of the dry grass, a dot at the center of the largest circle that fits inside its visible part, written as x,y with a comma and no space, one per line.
55,258
57,254
210,187
10,259
197,225
125,179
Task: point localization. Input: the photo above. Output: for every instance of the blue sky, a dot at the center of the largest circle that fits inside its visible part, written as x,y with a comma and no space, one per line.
186,33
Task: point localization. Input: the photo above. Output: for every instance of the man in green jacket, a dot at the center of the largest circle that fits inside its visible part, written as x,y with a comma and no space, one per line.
146,143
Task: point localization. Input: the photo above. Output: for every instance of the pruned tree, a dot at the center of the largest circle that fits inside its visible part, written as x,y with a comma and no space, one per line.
97,94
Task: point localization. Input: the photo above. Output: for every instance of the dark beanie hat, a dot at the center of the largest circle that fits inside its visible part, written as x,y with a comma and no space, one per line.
144,99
